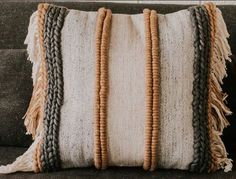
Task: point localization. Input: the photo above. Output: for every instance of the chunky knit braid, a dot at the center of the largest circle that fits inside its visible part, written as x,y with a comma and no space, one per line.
200,89
52,39
48,24
200,74
195,92
102,47
207,34
152,87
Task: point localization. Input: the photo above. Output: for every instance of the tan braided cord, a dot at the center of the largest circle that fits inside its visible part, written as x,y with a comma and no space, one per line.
155,75
152,89
102,47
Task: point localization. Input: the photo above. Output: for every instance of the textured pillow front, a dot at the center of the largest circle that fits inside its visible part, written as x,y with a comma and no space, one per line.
126,90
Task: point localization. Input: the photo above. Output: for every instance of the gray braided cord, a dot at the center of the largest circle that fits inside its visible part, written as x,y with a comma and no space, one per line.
48,25
201,130
207,33
195,92
53,24
201,146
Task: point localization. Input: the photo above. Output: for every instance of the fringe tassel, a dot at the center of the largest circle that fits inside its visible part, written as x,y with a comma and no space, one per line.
32,42
24,163
34,115
218,109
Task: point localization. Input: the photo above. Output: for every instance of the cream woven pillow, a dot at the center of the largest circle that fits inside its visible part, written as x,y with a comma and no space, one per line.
126,90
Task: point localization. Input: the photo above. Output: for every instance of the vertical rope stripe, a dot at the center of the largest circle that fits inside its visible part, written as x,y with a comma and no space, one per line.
152,87
97,147
52,38
207,35
104,86
155,75
148,134
200,89
102,48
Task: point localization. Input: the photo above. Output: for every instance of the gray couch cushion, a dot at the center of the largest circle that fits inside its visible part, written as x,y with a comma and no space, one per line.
15,92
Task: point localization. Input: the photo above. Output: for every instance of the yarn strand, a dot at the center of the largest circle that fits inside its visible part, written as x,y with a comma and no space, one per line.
200,90
50,158
102,48
152,90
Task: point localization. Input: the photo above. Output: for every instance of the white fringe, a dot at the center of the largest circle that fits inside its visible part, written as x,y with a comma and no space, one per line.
33,47
34,51
25,162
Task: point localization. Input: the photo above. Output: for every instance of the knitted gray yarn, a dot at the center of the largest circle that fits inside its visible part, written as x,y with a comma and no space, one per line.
200,22
54,20
207,33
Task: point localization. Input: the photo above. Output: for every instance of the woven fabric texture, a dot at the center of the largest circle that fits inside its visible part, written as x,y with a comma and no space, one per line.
126,90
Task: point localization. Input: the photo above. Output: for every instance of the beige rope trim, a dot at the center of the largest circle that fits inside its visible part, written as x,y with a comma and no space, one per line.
42,9
155,74
148,134
152,88
102,47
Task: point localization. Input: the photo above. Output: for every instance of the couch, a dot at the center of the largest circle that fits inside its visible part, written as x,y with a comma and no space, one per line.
16,88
